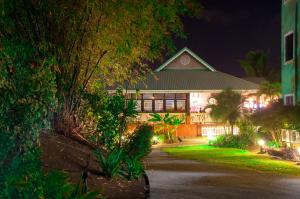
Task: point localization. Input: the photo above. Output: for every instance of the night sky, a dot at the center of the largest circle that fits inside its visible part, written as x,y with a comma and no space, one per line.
228,29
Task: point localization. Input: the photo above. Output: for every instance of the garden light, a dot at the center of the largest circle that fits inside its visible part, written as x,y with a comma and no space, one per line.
155,139
211,137
261,143
298,150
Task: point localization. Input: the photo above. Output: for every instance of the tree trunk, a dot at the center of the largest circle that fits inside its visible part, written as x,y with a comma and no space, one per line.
64,123
232,129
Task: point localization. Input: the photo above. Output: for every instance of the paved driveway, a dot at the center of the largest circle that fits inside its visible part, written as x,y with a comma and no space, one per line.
172,178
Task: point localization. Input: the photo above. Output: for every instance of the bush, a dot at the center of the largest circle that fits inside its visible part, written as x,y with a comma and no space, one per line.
125,160
232,141
273,144
111,162
57,186
139,144
133,168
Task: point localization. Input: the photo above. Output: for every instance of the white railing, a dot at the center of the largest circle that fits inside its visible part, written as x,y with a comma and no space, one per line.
214,131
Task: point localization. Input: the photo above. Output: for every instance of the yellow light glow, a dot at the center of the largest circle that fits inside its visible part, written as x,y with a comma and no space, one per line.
298,150
155,138
261,142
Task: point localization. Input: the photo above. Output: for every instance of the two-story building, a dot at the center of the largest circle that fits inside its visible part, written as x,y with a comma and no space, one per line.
186,84
290,61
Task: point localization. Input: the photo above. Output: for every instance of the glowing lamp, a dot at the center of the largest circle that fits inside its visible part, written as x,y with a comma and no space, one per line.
261,142
298,150
155,139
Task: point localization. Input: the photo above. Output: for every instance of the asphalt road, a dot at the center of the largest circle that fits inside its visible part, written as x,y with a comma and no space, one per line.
172,178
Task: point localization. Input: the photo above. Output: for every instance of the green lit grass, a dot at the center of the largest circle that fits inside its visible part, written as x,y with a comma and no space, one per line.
236,158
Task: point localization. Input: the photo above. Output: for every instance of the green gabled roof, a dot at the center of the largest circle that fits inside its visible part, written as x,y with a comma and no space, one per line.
185,50
191,80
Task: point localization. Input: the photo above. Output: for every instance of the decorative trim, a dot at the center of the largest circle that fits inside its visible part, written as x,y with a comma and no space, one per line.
185,49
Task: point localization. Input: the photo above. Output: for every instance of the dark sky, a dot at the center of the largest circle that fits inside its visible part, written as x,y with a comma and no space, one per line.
228,29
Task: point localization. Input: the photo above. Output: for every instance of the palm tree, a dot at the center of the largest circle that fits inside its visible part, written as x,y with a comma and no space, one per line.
227,108
167,124
256,64
270,90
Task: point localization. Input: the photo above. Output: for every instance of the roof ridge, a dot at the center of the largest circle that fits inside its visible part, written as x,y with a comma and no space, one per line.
194,55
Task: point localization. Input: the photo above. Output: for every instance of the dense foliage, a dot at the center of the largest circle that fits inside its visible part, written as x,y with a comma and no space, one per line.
27,91
227,107
245,139
52,54
274,118
119,153
94,41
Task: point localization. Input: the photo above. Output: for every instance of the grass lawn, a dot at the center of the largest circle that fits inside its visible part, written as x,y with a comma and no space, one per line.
236,158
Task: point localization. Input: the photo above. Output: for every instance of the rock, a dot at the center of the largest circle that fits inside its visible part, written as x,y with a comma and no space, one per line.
65,154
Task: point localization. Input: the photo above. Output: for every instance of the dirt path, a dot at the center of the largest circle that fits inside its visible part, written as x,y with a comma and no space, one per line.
172,178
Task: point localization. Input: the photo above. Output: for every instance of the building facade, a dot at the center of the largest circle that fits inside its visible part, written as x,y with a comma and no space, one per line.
290,51
184,85
290,65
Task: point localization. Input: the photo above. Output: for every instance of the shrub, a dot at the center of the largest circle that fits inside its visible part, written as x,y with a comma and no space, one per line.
110,162
232,141
133,168
57,186
139,144
273,144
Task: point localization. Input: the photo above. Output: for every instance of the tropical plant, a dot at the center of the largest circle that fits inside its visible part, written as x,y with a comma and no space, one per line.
110,162
166,124
137,147
112,114
119,152
256,64
227,107
271,90
126,160
133,168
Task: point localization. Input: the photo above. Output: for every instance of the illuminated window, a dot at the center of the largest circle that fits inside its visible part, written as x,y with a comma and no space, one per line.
159,105
180,105
170,105
148,105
